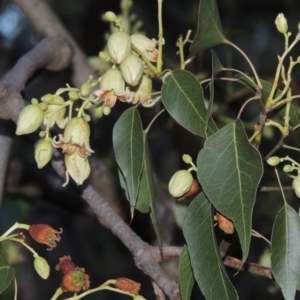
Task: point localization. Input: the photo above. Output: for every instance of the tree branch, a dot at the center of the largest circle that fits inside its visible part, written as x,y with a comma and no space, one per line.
46,24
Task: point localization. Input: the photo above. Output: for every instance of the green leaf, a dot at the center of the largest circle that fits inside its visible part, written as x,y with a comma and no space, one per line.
183,98
285,244
186,276
6,272
217,67
209,28
129,148
208,268
229,170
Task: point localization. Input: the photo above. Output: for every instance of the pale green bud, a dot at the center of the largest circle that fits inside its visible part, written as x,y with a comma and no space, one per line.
145,46
273,161
180,183
77,132
98,111
43,152
110,16
139,297
187,158
132,69
77,167
296,185
143,91
106,110
47,98
73,95
112,80
41,266
119,46
281,23
298,58
288,168
105,56
30,119
55,112
85,89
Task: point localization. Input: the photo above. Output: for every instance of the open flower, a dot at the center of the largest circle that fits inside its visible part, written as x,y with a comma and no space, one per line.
45,234
112,87
76,137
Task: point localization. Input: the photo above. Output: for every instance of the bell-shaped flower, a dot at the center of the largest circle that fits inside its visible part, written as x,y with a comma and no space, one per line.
146,46
76,138
55,112
112,87
132,69
119,46
77,167
142,92
30,119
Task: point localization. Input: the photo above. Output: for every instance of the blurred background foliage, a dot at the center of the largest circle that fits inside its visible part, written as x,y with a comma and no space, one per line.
36,196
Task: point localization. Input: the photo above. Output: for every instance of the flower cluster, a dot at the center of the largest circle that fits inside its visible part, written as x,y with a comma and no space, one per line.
129,78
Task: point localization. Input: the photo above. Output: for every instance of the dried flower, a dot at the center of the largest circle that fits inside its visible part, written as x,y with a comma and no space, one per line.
66,265
75,281
128,285
225,224
45,234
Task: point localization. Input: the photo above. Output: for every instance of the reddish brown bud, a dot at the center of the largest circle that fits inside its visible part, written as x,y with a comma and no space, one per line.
225,224
75,281
127,285
193,190
45,234
65,264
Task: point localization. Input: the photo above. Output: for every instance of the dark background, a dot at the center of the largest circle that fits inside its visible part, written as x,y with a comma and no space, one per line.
36,196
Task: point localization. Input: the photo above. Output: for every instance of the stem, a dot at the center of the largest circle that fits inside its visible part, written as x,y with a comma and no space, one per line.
25,245
16,288
257,234
58,292
160,37
283,196
259,85
14,227
180,44
290,147
244,105
284,101
152,121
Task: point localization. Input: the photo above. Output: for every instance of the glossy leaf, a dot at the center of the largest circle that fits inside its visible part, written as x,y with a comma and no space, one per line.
6,272
129,149
186,276
208,268
183,98
209,28
285,244
217,67
229,170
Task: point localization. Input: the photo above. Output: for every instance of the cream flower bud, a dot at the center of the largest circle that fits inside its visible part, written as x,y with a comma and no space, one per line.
110,16
41,266
55,112
77,132
98,111
43,152
143,91
119,46
146,46
288,168
85,89
73,95
112,80
77,167
187,158
132,69
30,119
296,185
273,161
180,183
281,23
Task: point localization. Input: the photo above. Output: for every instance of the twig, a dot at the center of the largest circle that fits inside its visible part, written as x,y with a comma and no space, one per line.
46,24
